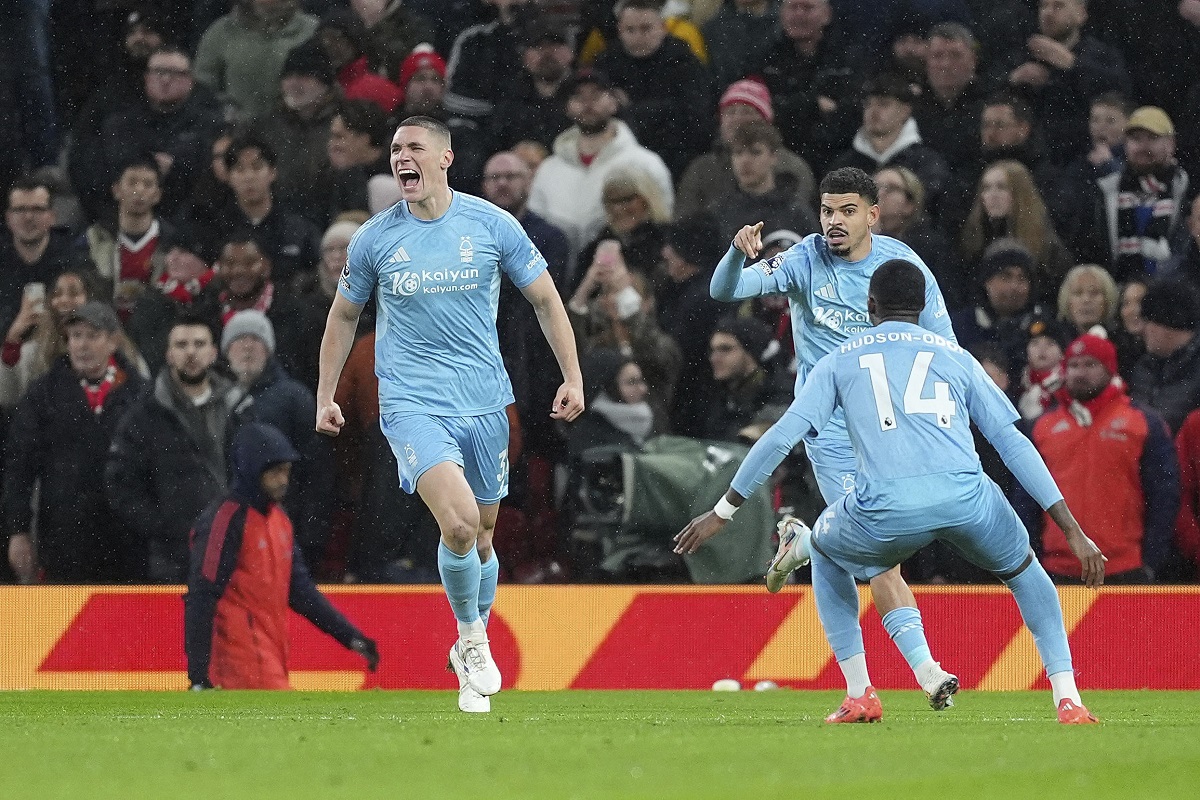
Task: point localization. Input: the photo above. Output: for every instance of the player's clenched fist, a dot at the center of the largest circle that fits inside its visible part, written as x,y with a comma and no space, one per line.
749,240
330,419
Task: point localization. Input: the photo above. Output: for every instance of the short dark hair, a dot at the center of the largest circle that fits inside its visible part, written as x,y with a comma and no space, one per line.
641,5
1113,100
240,234
186,318
850,180
363,116
754,132
249,141
955,32
990,351
139,161
29,183
428,123
1020,107
898,285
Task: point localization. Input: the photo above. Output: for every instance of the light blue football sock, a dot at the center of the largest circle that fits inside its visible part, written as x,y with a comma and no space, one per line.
460,578
904,626
489,575
837,606
1038,601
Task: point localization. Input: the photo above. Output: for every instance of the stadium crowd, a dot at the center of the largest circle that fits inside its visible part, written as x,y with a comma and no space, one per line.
184,180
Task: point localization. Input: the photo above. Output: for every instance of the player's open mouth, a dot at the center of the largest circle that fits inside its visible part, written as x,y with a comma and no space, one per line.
835,236
409,178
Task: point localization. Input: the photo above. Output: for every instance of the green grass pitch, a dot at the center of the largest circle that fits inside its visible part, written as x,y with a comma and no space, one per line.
218,745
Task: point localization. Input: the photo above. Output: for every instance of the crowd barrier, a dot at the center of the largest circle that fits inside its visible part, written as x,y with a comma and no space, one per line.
610,637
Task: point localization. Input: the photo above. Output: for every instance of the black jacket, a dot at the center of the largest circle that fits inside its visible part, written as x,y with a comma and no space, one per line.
687,312
58,442
1171,385
165,466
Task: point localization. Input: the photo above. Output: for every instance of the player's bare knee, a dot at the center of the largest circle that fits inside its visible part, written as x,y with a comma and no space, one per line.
460,533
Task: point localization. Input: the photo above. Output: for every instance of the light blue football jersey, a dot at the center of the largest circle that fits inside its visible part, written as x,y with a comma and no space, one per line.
909,397
827,296
437,288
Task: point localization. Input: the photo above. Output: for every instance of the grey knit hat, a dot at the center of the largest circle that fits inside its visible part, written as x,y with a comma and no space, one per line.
248,323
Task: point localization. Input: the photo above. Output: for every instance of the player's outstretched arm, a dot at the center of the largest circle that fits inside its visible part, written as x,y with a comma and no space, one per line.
708,524
556,326
731,280
340,326
1085,549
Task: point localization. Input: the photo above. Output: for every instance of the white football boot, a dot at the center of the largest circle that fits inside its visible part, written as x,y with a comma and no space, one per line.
469,700
472,661
792,554
941,689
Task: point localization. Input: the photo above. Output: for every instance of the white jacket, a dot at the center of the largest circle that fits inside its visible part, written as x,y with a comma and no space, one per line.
567,193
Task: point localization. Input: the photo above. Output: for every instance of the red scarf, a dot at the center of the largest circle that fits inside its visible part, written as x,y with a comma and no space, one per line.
184,291
261,304
96,394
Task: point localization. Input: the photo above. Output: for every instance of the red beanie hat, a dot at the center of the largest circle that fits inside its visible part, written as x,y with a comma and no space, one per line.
422,56
750,92
1100,349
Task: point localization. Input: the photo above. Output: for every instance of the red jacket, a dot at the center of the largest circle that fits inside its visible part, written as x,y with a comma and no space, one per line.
1187,524
1120,478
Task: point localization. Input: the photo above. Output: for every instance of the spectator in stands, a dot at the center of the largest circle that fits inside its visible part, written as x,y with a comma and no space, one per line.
291,242
535,110
144,32
810,69
663,91
688,314
1088,301
394,29
1144,202
1064,70
711,174
748,392
241,55
1008,203
186,273
343,39
31,250
614,308
62,431
1107,117
1185,248
1187,524
760,192
210,192
902,216
244,280
948,112
168,457
889,138
37,337
246,571
127,254
423,84
1167,378
1116,465
484,61
618,412
1130,325
1005,304
359,136
506,182
1044,373
739,35
906,46
635,215
298,130
248,345
567,187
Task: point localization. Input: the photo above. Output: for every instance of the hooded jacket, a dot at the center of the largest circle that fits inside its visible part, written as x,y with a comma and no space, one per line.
245,573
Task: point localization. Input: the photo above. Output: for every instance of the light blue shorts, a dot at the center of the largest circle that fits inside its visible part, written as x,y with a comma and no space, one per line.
833,465
992,537
478,444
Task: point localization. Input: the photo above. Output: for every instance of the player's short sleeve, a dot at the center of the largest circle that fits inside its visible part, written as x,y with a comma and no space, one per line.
519,256
784,273
990,408
361,272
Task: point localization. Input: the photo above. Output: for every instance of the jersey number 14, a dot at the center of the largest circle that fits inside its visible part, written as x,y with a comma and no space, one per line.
940,405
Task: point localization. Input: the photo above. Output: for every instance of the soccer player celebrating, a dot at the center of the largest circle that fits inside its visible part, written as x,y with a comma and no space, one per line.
825,278
909,397
433,262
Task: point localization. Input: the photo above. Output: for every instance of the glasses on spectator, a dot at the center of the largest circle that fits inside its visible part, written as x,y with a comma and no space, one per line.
167,72
722,348
617,201
29,210
503,176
